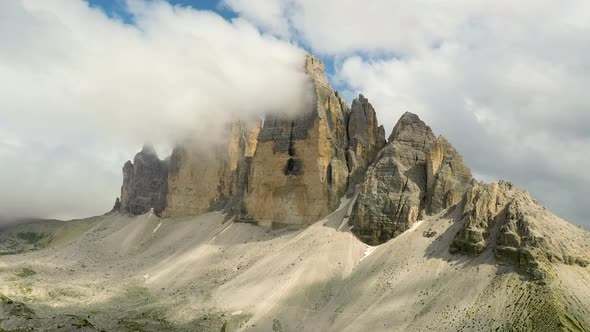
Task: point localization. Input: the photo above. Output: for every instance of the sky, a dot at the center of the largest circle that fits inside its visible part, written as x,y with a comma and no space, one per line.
88,82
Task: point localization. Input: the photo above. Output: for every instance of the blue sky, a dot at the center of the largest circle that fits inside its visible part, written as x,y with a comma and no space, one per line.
117,7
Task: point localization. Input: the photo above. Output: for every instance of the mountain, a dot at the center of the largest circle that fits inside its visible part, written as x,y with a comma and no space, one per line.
306,223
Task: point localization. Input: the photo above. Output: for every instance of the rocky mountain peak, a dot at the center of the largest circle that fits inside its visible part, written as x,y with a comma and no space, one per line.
148,149
414,175
365,139
411,129
145,183
314,67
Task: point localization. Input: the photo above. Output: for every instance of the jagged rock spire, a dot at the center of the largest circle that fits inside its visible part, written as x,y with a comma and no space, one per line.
410,129
365,139
148,149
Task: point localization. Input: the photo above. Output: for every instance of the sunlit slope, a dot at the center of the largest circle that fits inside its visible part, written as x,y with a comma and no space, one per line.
144,273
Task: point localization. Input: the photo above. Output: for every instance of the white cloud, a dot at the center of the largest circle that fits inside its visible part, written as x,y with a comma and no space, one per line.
81,92
505,81
267,14
342,26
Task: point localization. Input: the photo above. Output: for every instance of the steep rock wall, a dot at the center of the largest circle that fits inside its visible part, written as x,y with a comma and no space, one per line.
366,139
145,183
205,179
447,176
299,170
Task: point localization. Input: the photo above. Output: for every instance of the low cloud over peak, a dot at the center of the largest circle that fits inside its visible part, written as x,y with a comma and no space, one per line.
82,91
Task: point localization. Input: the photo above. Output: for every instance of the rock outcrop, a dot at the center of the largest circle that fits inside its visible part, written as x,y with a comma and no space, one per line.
509,222
145,183
392,196
365,139
482,205
299,171
117,205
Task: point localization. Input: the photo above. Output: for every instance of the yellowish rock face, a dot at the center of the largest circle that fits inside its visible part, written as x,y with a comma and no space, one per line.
252,139
447,176
299,171
194,182
203,180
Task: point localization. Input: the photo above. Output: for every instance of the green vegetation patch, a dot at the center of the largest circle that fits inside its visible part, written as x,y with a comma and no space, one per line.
25,273
149,320
65,292
38,240
25,288
15,308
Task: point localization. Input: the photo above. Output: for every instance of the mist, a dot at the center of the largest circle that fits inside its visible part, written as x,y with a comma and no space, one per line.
82,91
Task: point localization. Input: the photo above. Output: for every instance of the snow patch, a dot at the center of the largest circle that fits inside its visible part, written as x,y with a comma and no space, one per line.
223,231
369,250
155,229
415,225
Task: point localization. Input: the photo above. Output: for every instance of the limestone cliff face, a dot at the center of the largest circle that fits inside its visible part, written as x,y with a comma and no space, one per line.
299,171
202,179
392,195
251,142
366,138
144,183
447,176
198,180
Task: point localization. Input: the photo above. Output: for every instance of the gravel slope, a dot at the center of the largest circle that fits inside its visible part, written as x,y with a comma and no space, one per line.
122,273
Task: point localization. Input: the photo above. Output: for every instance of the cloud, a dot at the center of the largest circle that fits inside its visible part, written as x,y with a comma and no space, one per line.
81,92
268,15
334,27
505,81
